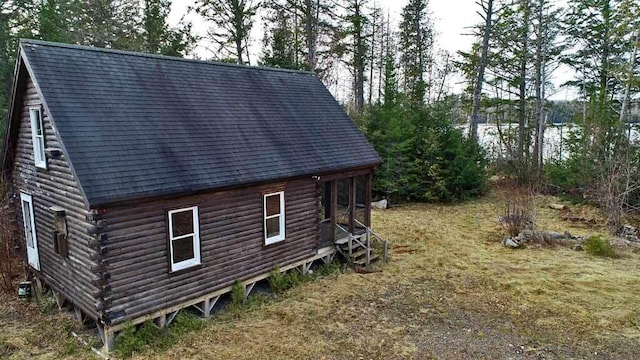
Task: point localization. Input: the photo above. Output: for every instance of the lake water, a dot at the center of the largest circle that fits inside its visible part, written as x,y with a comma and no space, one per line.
555,138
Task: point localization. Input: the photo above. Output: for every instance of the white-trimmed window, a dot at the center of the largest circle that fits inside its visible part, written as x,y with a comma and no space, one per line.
184,238
37,134
273,217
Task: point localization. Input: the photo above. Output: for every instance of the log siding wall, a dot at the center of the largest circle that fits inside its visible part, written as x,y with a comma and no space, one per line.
56,185
231,238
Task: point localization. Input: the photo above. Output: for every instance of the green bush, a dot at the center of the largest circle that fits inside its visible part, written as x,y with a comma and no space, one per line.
328,269
237,294
597,246
127,342
276,281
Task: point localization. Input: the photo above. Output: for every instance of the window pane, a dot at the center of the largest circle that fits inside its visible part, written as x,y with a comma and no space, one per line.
182,249
40,148
273,204
26,210
273,227
38,123
182,223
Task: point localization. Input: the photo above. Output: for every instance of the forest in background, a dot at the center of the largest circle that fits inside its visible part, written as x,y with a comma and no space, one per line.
398,78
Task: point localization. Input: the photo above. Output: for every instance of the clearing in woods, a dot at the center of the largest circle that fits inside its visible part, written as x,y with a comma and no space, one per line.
449,291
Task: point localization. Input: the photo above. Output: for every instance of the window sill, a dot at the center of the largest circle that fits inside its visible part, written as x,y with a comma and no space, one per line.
273,242
186,269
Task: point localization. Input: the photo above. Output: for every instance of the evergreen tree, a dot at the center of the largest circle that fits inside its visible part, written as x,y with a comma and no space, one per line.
416,42
310,25
282,39
356,38
590,27
110,24
233,21
158,37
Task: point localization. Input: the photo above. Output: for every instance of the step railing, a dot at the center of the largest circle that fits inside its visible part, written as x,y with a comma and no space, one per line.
377,238
351,239
366,244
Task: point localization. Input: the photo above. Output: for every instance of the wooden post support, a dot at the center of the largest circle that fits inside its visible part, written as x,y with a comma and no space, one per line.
161,321
368,249
208,305
107,336
169,318
367,197
334,210
60,299
248,288
352,204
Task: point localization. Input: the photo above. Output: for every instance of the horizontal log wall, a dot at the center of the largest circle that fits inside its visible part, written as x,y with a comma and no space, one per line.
54,186
232,245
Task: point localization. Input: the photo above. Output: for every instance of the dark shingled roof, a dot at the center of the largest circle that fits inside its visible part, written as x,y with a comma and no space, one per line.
137,125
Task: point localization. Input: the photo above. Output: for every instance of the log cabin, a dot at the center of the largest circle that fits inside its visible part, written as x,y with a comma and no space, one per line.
146,184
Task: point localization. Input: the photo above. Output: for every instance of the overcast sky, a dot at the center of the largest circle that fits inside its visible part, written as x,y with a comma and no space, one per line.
452,19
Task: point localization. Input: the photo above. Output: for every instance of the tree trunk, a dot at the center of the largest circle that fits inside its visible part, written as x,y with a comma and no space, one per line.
539,84
477,90
604,70
374,28
359,57
522,108
627,89
311,28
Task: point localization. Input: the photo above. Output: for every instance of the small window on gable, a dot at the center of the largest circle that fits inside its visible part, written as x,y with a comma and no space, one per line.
37,135
273,217
184,238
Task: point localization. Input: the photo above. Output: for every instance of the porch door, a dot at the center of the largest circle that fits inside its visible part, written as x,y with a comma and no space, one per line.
30,231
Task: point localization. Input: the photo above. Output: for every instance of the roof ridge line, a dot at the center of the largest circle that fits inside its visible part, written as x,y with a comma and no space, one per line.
155,56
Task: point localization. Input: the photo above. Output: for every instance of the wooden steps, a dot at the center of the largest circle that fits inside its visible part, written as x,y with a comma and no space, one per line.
358,255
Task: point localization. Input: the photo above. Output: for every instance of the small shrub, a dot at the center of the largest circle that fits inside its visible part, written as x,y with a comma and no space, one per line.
518,212
46,302
185,322
127,342
597,246
294,278
237,294
276,281
148,333
328,269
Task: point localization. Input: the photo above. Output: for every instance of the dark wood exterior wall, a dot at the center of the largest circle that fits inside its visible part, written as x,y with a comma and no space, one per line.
231,238
55,186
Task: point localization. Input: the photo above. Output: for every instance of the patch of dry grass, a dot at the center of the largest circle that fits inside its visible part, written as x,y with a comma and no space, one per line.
450,290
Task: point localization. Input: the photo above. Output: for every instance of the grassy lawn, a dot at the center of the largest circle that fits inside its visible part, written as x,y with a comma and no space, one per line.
450,290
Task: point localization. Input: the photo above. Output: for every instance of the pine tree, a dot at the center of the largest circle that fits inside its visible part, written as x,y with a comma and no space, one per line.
591,29
311,26
158,37
110,24
281,45
416,42
356,43
233,21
